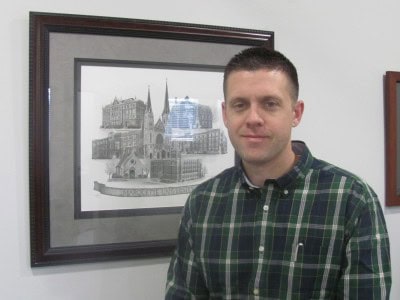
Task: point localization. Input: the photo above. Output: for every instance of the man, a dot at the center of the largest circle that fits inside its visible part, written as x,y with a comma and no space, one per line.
282,224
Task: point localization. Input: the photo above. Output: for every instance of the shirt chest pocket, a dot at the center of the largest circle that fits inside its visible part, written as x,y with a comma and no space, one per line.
313,250
309,250
317,262
316,250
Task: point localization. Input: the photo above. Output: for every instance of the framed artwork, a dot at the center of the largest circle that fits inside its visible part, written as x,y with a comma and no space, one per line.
125,121
392,131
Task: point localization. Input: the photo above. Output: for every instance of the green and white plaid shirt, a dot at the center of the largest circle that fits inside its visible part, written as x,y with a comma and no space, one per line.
317,232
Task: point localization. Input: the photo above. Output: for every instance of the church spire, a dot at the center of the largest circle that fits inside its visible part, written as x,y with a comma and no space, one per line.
165,113
166,100
148,105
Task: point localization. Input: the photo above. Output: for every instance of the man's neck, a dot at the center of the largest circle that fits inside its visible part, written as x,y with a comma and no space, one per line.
259,173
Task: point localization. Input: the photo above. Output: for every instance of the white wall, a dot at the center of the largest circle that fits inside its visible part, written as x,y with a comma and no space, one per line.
342,49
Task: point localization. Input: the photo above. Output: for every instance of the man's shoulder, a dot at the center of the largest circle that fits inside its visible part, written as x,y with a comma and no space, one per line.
335,173
214,190
326,167
224,179
321,167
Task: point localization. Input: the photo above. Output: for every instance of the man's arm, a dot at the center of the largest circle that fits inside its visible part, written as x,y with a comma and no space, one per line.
366,269
185,279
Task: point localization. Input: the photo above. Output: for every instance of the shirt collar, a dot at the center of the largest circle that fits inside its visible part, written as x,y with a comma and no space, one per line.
299,169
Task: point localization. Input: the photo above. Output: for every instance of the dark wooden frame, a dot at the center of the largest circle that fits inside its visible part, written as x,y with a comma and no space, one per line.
392,105
41,26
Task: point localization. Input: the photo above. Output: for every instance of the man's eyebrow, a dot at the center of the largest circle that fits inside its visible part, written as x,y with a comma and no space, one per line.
236,99
270,98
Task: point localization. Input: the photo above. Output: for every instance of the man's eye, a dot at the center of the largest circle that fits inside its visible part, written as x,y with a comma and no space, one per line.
271,105
238,106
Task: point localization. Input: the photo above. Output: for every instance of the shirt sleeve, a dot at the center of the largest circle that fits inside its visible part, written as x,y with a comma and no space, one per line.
366,270
185,279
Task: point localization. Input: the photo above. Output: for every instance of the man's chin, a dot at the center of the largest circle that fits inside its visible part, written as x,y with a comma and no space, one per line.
254,161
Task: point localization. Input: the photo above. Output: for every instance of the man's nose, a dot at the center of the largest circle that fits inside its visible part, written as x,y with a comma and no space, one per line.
254,116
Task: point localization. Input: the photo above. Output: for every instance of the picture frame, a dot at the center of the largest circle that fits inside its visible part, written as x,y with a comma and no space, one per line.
74,61
392,135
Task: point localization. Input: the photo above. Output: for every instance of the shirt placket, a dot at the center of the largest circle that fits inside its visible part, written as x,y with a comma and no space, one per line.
266,194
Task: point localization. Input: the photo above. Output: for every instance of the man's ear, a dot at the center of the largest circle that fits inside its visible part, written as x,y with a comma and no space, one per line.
298,112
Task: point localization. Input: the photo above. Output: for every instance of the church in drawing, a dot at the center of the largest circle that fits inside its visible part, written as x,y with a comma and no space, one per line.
169,149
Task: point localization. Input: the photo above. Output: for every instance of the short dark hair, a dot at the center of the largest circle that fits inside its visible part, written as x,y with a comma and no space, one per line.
256,58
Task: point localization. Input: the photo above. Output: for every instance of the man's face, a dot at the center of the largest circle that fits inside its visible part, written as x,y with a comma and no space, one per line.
259,114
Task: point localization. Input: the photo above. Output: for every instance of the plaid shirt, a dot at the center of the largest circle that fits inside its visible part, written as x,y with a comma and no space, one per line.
317,232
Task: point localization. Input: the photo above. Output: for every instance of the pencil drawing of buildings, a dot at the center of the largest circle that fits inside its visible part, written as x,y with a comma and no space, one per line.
168,150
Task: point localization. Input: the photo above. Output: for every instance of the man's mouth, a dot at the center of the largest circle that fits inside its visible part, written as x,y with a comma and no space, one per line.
254,137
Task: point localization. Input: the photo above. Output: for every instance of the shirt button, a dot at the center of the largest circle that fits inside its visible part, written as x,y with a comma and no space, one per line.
261,248
265,207
256,292
286,192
